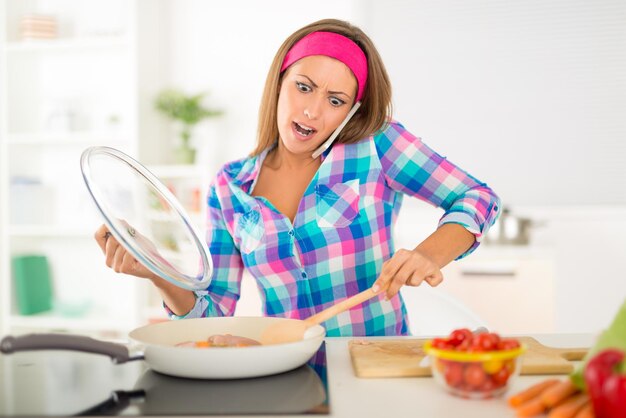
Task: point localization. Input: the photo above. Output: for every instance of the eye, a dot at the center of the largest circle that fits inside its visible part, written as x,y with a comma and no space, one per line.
303,87
336,101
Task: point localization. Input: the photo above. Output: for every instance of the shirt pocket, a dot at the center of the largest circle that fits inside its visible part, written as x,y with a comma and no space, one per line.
249,230
337,204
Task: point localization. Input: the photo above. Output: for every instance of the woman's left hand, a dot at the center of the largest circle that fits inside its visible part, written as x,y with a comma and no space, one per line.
407,267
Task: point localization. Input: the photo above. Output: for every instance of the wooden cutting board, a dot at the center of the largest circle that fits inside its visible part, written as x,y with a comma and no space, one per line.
402,357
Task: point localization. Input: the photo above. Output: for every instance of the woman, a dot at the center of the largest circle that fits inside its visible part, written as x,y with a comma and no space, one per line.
310,212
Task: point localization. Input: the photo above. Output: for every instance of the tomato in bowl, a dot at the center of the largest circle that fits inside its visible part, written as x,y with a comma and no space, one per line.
476,366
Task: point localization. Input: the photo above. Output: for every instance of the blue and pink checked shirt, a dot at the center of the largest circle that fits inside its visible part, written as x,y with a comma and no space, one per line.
341,234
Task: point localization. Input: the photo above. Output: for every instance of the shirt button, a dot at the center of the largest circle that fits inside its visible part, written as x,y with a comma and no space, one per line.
303,275
291,232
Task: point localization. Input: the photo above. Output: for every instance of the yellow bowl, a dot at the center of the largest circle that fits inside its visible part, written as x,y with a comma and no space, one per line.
474,375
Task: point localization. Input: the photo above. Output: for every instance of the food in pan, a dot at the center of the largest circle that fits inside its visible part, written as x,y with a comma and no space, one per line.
226,340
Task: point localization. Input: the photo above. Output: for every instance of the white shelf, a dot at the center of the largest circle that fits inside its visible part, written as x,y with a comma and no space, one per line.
67,44
69,138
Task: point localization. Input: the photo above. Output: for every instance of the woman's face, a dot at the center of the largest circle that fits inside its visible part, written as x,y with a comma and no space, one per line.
315,96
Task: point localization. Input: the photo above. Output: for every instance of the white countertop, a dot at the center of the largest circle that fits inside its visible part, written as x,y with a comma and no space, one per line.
417,397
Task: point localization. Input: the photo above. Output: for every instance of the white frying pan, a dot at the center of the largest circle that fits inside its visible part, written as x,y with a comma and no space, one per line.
157,347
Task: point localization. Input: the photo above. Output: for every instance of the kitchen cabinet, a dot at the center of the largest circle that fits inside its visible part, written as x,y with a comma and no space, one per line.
507,288
82,86
511,288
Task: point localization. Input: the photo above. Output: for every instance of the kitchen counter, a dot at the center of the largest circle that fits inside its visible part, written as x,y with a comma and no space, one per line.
412,397
62,381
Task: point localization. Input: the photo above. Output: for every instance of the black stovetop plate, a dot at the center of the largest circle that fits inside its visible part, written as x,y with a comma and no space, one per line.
61,383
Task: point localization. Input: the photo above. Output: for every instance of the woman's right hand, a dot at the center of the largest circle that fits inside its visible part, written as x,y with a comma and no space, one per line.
117,258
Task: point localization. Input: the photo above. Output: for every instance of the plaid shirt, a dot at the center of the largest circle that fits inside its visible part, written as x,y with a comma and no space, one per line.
341,234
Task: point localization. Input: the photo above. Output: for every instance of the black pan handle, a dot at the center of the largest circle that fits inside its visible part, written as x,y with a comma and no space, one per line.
118,352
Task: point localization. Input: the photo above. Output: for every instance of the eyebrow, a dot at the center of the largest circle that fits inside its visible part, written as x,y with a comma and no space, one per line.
316,86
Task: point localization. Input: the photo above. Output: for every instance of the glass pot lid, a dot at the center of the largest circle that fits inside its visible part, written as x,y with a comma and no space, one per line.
145,218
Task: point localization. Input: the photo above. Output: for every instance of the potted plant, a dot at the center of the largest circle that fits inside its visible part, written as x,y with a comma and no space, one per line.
188,110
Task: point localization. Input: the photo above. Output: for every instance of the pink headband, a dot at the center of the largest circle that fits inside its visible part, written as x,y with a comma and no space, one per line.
335,46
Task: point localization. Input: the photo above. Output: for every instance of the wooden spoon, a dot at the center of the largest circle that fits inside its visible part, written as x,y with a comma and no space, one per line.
290,331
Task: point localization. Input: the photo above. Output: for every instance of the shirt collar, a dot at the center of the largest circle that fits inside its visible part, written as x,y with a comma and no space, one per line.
247,171
258,163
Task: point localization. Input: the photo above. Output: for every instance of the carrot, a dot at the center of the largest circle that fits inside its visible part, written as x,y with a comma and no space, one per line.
569,407
531,392
586,411
531,408
557,393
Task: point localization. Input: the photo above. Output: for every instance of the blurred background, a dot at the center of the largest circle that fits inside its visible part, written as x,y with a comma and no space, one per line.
528,96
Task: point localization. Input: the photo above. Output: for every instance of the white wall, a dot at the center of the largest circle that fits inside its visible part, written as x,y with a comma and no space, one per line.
529,95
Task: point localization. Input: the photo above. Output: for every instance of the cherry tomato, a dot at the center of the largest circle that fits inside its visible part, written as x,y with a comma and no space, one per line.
501,377
490,341
509,365
474,375
485,342
476,344
488,385
442,344
464,345
508,344
454,374
459,335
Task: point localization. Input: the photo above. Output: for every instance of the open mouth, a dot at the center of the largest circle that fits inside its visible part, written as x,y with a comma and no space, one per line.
303,130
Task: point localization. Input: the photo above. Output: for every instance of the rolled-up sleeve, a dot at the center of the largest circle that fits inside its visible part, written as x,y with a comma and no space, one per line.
412,168
221,296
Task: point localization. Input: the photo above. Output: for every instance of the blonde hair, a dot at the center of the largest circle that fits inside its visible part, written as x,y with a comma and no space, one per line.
375,109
